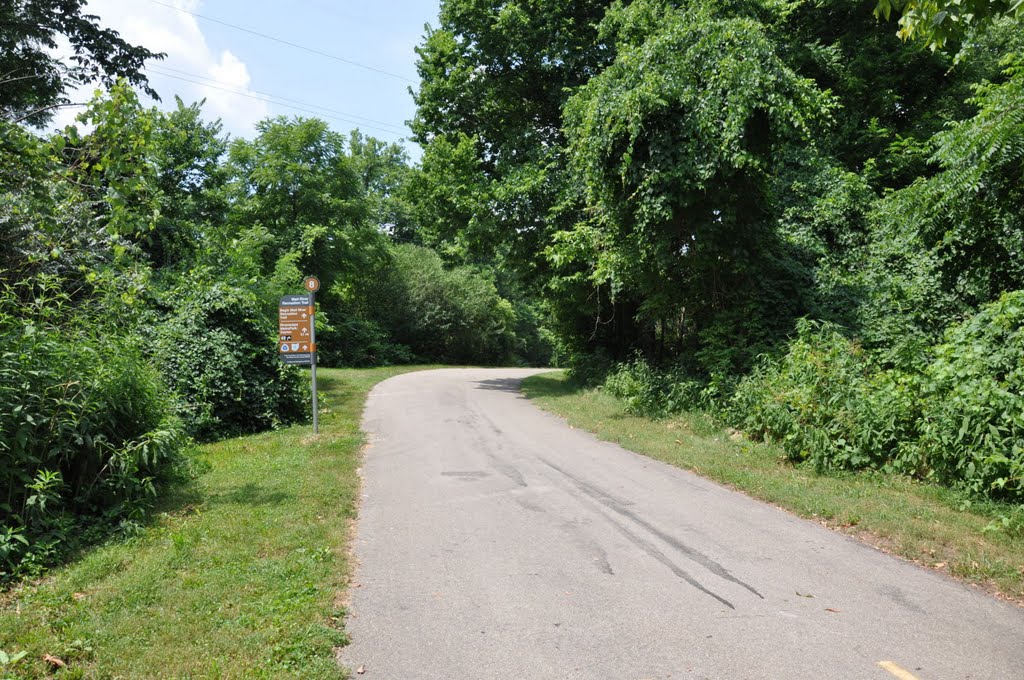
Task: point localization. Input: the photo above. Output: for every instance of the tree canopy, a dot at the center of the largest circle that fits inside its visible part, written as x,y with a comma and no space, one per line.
34,81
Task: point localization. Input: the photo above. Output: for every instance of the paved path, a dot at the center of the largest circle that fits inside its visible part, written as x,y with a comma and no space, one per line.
496,542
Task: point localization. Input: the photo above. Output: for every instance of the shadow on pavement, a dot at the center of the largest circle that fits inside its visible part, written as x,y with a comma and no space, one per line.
500,384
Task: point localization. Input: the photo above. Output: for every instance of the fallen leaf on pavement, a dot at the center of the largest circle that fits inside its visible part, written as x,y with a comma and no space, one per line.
829,609
361,670
803,595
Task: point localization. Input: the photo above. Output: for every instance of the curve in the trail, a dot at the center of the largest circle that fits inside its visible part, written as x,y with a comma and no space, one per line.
494,541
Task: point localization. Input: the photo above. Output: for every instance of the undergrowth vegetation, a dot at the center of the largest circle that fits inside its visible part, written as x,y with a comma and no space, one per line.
972,404
89,428
959,420
827,402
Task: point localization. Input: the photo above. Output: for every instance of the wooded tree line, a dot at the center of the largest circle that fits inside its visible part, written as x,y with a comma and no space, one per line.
779,212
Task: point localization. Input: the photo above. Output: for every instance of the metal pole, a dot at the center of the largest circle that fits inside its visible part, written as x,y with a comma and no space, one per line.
312,341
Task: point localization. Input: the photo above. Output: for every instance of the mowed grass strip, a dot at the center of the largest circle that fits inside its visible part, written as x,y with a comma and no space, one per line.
925,523
241,574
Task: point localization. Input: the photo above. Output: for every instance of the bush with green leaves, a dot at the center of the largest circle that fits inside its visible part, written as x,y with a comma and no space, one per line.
650,391
586,367
216,349
639,386
826,402
445,315
86,426
972,426
354,340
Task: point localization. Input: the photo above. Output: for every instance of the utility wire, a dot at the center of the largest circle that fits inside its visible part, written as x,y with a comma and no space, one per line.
284,42
162,68
271,101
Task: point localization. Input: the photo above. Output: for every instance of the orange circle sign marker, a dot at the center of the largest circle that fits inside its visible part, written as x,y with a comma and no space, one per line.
312,284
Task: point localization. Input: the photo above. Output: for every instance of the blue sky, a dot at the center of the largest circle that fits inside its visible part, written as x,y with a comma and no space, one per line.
209,60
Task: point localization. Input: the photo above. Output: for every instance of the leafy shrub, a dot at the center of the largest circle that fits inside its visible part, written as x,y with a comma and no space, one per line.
825,401
584,368
639,386
216,350
972,429
86,427
649,391
356,341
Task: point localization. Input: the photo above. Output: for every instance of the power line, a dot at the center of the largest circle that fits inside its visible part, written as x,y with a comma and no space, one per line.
285,42
271,101
162,68
304,107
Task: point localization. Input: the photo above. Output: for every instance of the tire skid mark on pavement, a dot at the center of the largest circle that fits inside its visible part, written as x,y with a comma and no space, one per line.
606,500
621,508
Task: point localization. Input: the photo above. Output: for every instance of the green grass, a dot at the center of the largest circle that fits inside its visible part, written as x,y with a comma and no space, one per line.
924,523
240,574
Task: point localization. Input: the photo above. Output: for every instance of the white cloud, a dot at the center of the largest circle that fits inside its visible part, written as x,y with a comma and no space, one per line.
189,57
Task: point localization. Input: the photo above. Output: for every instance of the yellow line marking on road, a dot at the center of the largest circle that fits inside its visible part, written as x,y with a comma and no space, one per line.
900,673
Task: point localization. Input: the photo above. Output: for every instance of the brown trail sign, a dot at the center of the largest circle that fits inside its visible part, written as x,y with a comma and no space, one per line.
296,333
295,330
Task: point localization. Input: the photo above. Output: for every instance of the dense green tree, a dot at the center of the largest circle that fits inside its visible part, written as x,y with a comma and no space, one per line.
34,81
883,113
77,204
34,230
494,79
711,198
384,171
296,182
972,211
674,143
191,180
450,193
952,240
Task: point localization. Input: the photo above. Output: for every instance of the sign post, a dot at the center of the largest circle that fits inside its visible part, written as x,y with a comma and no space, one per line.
312,284
296,328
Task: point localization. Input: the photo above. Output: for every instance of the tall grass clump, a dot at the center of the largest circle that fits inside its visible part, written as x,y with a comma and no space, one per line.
86,428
